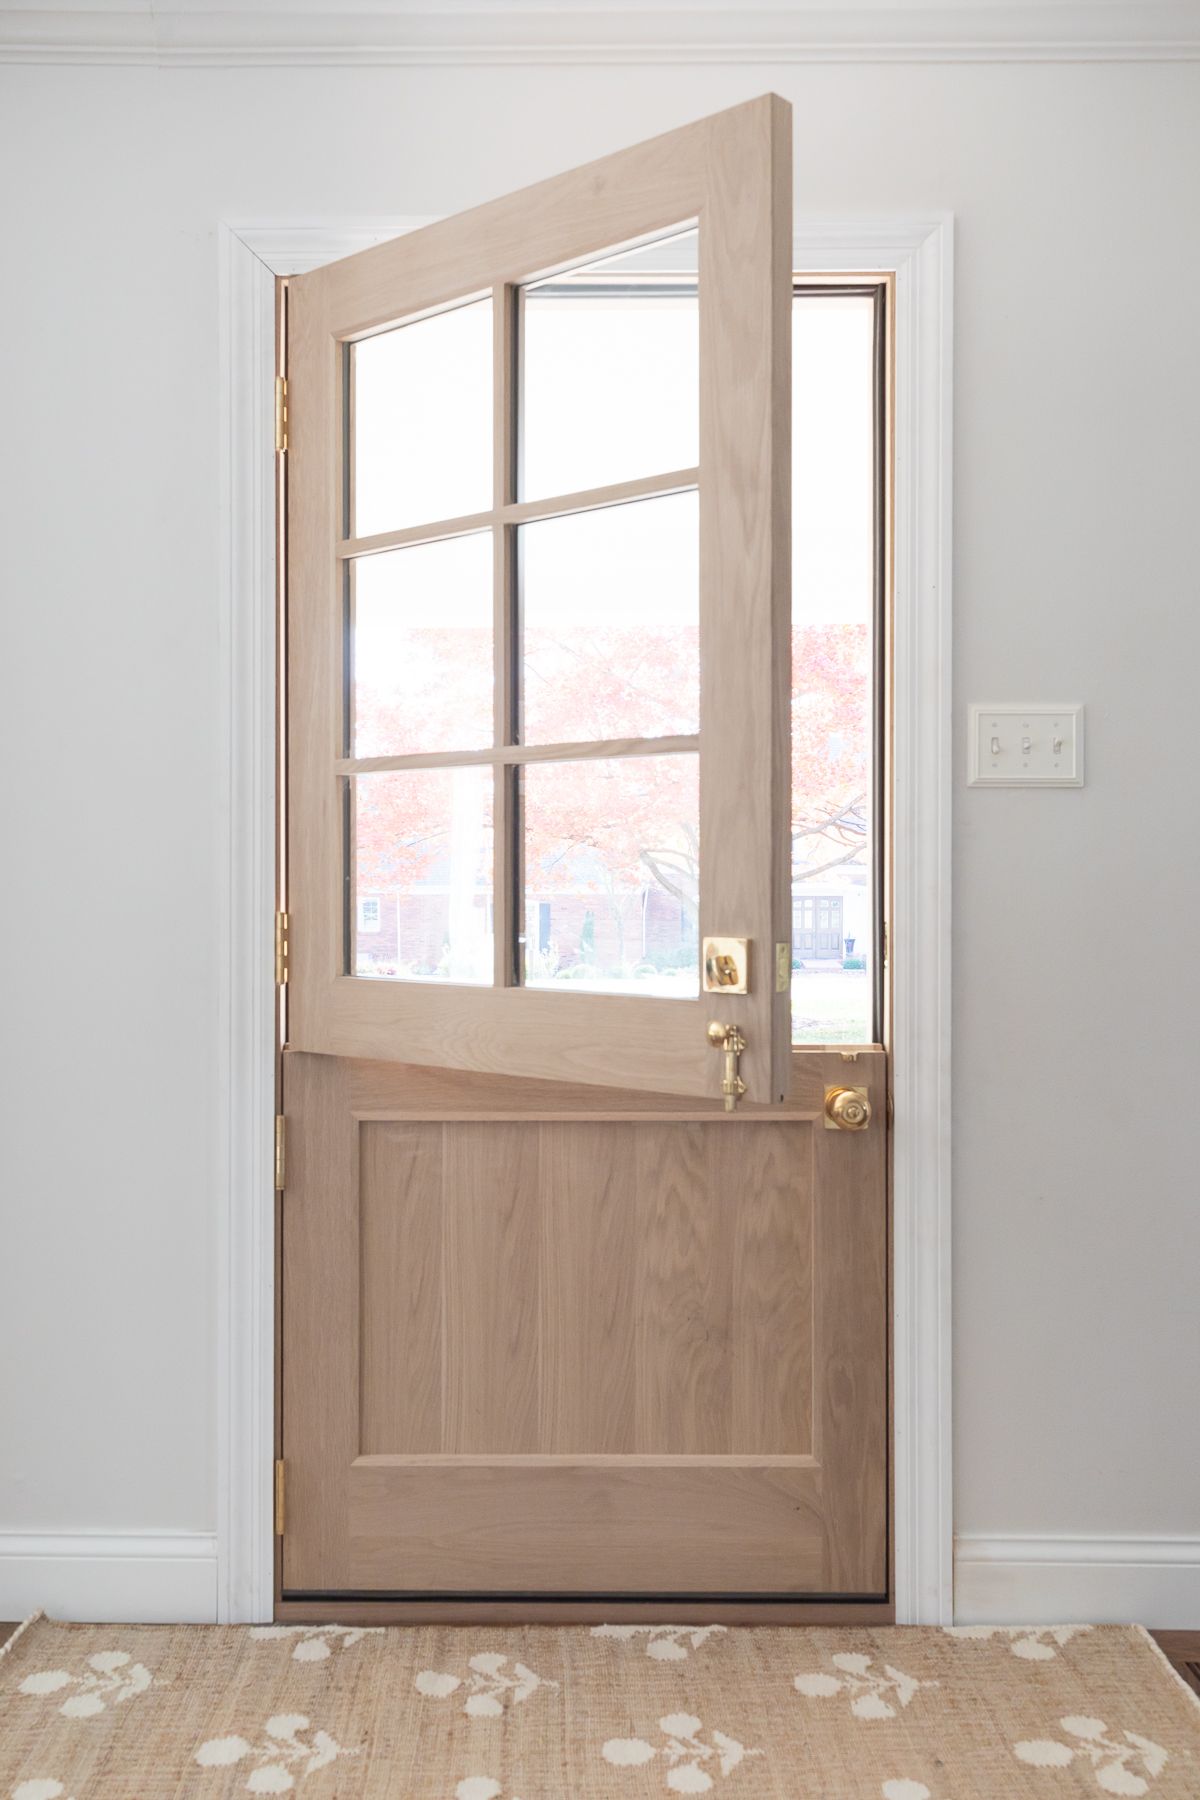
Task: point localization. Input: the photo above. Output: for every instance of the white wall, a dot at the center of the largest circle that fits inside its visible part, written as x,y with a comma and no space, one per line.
1077,1229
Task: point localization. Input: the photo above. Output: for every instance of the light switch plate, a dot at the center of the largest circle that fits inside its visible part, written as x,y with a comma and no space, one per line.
1011,745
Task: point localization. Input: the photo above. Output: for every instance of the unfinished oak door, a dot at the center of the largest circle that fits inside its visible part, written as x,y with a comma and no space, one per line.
583,1267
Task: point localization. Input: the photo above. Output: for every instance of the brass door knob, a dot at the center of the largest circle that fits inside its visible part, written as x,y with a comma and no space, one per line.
847,1109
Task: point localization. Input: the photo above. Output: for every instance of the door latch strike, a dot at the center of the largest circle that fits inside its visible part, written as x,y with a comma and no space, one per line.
280,1466
281,948
280,1153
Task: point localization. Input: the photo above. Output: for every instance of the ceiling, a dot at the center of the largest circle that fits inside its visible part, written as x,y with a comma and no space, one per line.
282,32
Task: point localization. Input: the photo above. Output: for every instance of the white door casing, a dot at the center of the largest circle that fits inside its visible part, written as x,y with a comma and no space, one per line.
919,252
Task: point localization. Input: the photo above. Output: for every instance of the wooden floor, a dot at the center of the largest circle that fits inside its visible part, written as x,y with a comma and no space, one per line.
1182,1647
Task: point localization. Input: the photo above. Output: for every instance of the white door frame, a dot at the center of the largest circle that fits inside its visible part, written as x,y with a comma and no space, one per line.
919,251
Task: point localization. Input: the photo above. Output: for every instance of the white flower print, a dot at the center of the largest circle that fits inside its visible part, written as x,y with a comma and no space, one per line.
492,1683
314,1643
109,1678
1033,1643
874,1694
40,1788
665,1643
1115,1763
904,1789
479,1787
283,1757
685,1752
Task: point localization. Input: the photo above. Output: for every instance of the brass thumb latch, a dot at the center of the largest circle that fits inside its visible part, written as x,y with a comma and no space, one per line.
730,1040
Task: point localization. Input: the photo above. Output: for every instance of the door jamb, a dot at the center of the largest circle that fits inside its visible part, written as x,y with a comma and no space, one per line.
919,251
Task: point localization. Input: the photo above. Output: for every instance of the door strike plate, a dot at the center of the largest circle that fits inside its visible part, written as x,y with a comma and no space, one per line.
726,965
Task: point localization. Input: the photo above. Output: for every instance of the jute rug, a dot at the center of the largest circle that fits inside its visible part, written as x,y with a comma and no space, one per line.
92,1712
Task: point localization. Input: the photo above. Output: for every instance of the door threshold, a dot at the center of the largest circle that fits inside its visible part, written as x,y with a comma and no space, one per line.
578,1609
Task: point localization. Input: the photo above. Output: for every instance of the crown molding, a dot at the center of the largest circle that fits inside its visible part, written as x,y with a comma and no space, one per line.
494,32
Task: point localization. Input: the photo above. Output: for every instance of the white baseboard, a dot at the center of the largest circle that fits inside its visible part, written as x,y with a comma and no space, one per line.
153,1578
1152,1581
171,1577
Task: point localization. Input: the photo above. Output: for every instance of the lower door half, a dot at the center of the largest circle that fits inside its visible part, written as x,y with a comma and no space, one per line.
550,1342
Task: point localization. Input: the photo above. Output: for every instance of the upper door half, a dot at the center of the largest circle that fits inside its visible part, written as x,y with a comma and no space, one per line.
538,626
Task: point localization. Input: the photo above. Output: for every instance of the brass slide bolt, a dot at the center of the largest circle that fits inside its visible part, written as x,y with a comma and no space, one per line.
730,1040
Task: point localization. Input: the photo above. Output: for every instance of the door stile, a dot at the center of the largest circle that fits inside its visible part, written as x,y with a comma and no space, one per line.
322,1377
504,630
850,1423
745,597
281,881
315,503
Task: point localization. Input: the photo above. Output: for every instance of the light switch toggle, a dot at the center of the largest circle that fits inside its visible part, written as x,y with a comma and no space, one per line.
1011,745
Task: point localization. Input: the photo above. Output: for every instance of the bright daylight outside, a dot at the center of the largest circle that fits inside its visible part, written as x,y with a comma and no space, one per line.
607,649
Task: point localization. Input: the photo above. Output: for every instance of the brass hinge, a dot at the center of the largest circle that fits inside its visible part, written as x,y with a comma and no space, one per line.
280,1467
281,413
280,1153
281,948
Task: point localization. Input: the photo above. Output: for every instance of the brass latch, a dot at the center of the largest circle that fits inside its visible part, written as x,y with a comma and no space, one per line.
729,1039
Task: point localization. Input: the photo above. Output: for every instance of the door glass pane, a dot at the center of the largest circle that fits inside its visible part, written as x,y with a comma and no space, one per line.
833,607
420,888
610,370
610,622
421,648
422,431
611,868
